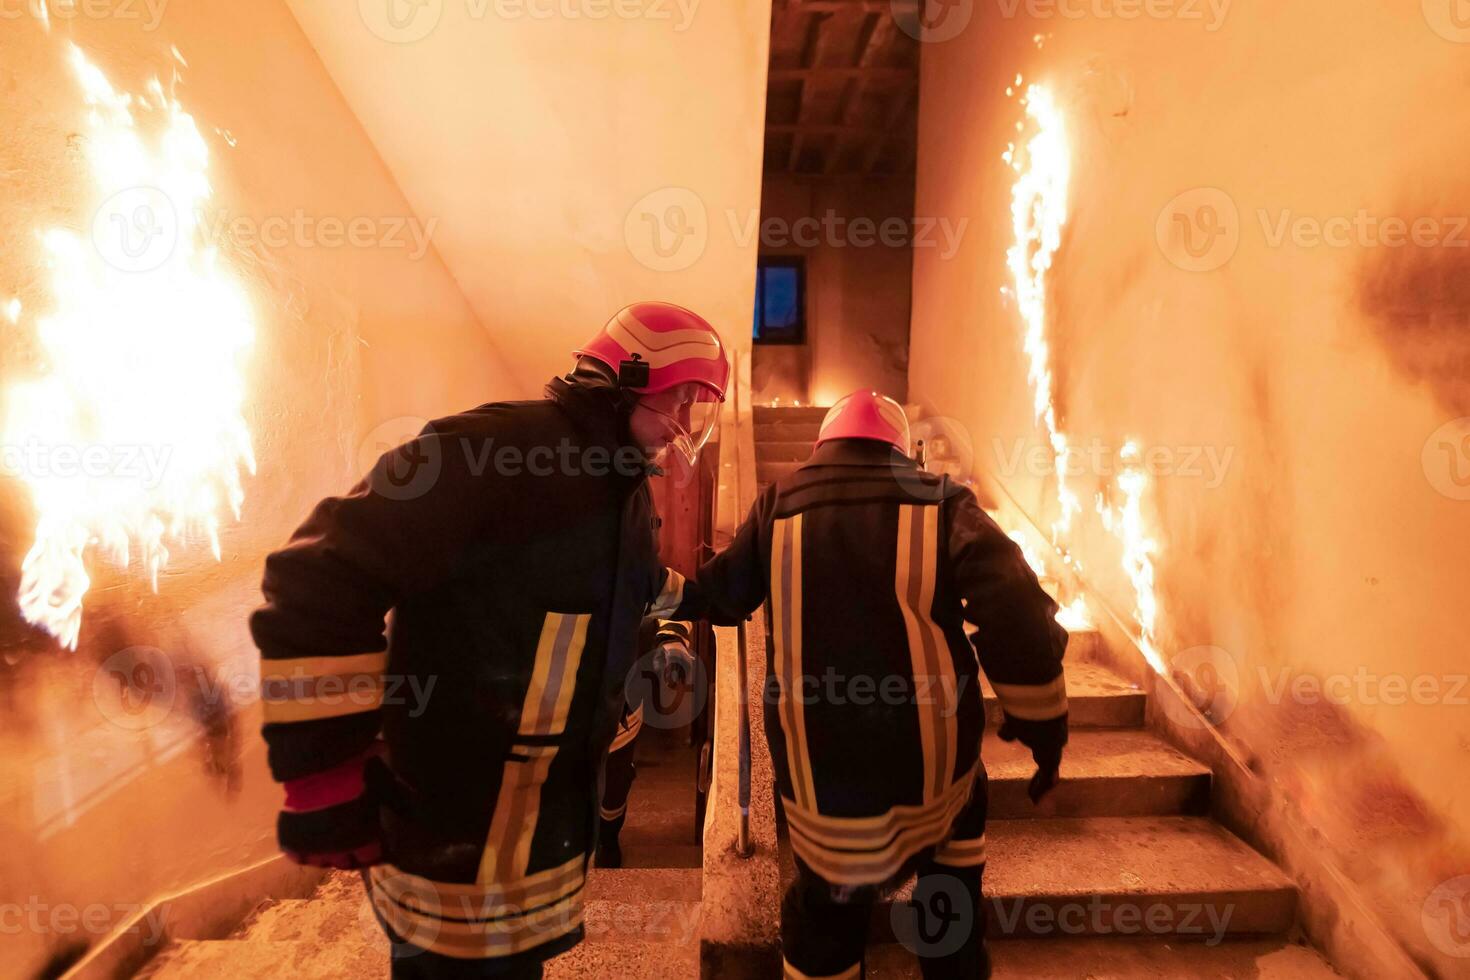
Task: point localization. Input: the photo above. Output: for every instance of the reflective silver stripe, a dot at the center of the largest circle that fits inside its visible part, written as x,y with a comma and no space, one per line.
1034,702
669,597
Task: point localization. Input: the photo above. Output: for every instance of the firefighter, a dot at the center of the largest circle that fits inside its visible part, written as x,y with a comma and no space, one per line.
672,665
870,568
456,761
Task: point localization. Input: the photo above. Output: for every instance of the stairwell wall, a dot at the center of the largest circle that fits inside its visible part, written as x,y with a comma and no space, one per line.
1297,383
355,346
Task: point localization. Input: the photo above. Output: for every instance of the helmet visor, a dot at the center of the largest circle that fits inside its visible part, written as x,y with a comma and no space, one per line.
695,425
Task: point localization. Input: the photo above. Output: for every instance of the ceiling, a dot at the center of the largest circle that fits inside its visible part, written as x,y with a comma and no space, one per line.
843,90
572,158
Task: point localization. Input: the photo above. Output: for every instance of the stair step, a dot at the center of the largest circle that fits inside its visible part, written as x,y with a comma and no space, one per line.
1114,875
660,813
771,472
637,854
219,959
765,414
1105,773
337,911
795,451
1096,697
661,884
787,431
659,921
1125,959
626,961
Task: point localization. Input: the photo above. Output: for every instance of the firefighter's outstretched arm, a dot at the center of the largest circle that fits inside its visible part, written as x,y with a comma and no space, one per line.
731,585
1017,638
322,643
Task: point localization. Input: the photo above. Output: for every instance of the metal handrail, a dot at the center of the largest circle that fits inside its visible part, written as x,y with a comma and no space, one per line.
743,846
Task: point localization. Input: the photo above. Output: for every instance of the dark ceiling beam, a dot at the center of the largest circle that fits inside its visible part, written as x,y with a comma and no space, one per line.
902,104
813,47
876,32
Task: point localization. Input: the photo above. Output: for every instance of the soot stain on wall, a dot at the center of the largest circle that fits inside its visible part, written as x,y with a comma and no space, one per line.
1417,300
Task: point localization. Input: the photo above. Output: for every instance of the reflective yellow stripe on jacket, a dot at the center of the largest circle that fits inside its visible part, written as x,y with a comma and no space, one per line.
544,712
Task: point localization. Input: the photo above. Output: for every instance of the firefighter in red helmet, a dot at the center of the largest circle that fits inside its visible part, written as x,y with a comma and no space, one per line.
456,759
870,569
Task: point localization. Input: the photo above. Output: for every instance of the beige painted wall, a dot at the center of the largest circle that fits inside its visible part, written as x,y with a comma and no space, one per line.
858,278
1329,548
348,338
577,156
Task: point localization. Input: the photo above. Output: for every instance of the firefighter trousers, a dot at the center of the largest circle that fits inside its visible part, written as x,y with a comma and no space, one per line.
824,928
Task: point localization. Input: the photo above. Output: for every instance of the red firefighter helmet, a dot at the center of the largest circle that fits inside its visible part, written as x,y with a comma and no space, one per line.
679,347
867,415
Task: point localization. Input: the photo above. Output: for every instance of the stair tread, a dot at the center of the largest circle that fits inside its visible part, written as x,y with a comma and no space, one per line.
787,413
654,884
1123,856
1094,754
1126,959
1096,697
1084,680
634,961
667,922
782,450
638,854
1122,877
231,959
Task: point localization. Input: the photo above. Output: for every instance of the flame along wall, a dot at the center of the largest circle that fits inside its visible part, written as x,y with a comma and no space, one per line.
1307,501
111,802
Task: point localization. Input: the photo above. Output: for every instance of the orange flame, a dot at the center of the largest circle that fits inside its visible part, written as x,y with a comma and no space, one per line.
1139,548
1038,212
1039,202
133,439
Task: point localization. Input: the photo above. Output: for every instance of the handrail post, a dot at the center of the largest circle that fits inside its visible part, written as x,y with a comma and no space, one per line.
744,847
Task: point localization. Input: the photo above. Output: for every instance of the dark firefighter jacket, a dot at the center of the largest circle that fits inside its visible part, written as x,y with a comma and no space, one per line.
515,546
870,568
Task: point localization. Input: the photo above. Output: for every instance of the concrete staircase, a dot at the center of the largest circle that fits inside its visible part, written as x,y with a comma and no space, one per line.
783,440
1120,873
642,920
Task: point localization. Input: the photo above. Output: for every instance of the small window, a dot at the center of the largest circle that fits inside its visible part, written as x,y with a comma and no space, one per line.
780,300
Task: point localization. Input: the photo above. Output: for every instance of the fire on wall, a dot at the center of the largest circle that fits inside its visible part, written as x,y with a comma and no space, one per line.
1178,289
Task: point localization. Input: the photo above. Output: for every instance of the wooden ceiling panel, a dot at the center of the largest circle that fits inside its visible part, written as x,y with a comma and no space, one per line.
843,80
